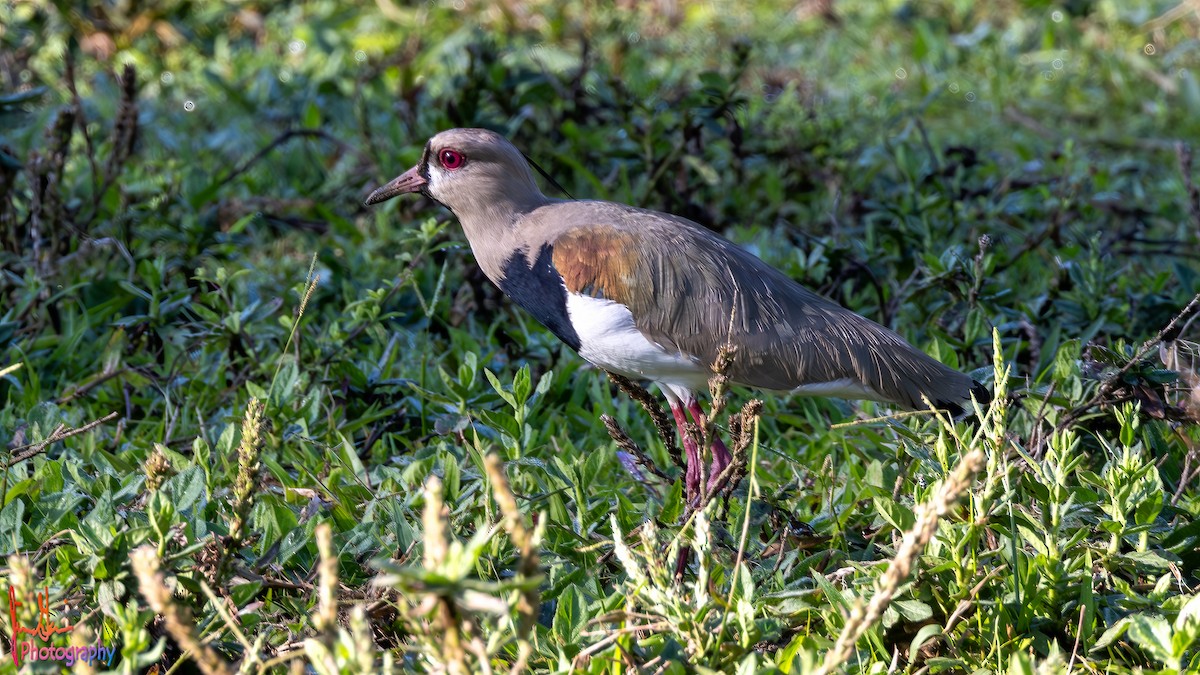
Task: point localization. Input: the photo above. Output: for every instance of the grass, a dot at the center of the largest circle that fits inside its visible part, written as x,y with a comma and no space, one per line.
252,426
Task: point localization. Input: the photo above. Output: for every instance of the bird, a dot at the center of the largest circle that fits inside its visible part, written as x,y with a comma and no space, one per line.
655,297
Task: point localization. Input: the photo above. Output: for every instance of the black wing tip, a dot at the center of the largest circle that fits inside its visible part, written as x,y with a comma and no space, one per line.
981,392
962,408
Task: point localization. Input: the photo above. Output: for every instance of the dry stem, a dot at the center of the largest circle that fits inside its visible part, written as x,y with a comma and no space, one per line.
527,567
178,619
862,617
662,422
326,617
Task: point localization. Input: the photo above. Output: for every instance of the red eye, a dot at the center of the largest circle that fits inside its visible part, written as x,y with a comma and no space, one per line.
450,159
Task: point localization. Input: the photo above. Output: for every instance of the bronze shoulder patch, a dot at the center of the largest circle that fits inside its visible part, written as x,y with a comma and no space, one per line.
599,261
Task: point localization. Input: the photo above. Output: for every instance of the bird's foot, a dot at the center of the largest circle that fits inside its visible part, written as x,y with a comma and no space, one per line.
720,454
720,461
691,475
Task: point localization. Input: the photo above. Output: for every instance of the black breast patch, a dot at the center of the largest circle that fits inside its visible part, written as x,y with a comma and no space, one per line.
540,291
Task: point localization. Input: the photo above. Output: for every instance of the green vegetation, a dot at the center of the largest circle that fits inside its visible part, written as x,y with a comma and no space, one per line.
297,397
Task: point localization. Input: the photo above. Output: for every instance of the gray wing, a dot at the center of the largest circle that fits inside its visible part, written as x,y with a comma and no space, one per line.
692,291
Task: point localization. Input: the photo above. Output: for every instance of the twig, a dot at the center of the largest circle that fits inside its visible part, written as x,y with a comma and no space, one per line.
283,657
1011,113
1036,438
654,626
1078,635
402,279
1190,471
266,150
1167,334
310,285
91,384
63,432
1034,243
123,140
1172,15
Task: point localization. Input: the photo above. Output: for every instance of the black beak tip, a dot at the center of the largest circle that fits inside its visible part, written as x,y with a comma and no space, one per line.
376,197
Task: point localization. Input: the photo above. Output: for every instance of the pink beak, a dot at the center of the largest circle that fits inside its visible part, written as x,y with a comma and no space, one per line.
405,183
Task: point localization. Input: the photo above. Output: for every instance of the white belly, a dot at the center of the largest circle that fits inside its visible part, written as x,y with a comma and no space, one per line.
609,339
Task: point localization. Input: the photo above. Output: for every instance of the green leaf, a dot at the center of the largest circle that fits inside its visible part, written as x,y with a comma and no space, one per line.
714,80
162,513
1110,636
451,476
185,488
570,615
896,514
1151,560
242,594
705,170
748,664
1153,634
293,541
283,386
801,652
1187,627
467,370
521,385
927,633
1148,507
499,388
255,390
20,97
1020,663
312,116
544,383
913,611
673,504
27,486
12,516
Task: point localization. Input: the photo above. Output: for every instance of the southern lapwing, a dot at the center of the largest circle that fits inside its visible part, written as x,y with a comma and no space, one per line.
653,296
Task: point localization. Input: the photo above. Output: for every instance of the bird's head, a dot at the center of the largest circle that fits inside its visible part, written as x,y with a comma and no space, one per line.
468,171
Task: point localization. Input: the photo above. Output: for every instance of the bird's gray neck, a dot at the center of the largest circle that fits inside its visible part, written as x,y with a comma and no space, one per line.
492,229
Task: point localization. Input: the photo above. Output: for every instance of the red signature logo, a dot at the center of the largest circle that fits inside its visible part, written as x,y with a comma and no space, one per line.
36,646
44,629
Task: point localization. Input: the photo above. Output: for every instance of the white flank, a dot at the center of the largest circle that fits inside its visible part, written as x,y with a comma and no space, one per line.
843,388
609,339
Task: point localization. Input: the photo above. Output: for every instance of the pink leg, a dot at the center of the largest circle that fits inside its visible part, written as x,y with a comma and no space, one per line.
721,457
691,478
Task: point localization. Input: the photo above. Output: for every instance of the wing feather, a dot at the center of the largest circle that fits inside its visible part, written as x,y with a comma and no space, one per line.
692,291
